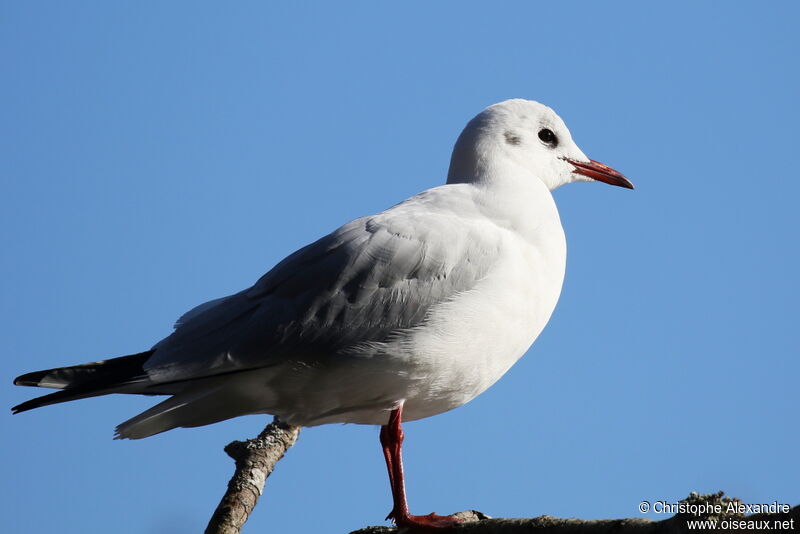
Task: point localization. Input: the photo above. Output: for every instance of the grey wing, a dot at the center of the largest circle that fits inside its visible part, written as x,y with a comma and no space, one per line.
360,284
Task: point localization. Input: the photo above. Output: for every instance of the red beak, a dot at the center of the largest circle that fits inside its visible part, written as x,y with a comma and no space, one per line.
603,173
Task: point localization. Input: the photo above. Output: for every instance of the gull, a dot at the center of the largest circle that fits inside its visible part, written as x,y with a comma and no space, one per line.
392,317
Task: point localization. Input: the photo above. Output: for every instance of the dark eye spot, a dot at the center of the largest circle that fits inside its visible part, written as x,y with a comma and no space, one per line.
512,138
548,137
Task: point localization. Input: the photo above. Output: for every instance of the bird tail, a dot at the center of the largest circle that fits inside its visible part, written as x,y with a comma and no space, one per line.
202,402
85,380
191,407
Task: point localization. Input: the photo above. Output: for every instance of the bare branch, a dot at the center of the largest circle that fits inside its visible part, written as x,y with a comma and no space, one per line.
255,460
478,523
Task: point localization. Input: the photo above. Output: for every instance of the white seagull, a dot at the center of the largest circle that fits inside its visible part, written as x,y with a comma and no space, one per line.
392,317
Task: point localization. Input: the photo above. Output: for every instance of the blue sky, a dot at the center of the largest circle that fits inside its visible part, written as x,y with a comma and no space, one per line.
154,155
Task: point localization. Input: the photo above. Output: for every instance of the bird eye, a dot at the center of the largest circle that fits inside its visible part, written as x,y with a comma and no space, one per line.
548,137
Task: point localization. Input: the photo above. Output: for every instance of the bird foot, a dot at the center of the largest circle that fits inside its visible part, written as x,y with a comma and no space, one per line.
425,523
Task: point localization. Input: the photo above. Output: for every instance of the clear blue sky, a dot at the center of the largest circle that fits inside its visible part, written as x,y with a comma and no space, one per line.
154,156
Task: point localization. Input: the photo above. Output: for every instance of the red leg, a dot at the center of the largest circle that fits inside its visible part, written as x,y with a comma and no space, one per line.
387,454
392,442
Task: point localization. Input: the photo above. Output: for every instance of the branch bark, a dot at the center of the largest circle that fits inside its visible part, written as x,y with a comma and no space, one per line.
478,523
255,460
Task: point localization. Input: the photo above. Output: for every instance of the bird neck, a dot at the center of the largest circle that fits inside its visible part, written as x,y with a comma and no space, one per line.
472,158
520,202
510,194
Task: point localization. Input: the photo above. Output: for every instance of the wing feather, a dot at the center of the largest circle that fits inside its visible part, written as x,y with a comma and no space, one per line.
359,285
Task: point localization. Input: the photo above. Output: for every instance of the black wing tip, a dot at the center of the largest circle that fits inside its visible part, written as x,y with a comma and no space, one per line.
100,372
81,381
30,379
47,400
25,406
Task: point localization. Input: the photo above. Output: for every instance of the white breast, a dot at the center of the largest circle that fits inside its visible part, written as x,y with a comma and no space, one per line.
470,342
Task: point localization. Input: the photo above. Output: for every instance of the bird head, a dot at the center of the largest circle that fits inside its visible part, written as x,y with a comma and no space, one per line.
523,137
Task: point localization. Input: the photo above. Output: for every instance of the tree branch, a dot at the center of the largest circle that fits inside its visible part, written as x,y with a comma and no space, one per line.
478,523
255,460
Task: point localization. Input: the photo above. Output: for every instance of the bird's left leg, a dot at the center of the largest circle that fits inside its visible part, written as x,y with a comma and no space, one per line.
392,442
